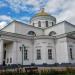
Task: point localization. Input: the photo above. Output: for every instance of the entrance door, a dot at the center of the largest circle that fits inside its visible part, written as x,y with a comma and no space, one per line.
4,57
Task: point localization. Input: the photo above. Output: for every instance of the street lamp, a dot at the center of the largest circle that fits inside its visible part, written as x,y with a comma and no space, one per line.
22,48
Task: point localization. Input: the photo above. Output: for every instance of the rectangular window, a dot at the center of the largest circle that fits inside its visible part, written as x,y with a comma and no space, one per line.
10,60
39,24
52,24
46,23
7,60
38,54
25,54
49,53
71,53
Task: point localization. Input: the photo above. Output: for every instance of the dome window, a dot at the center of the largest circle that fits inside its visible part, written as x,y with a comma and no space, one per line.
46,23
39,24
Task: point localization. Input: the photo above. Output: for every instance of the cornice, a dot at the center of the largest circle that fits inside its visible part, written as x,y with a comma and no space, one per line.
16,35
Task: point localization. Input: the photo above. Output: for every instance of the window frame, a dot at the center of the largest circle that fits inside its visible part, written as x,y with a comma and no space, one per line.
7,60
71,53
52,33
25,54
46,23
31,33
50,54
39,23
10,60
38,54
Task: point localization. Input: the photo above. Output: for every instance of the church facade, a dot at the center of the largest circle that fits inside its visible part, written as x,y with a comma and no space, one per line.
42,42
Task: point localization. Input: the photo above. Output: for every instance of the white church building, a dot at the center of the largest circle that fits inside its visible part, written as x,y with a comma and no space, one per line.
43,41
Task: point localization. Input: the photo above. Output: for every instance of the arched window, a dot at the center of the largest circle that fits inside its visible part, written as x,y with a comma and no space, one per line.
52,33
46,23
39,24
31,33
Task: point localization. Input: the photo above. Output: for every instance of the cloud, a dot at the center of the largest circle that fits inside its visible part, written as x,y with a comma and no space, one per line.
4,20
23,5
2,4
3,24
68,13
62,9
25,19
26,5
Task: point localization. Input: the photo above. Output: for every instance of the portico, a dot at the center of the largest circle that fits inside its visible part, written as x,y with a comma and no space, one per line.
10,52
7,50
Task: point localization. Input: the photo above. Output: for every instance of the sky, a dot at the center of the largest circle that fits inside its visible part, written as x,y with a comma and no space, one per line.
23,10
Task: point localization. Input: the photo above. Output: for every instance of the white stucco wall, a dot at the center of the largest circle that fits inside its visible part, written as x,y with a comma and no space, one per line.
59,29
24,29
71,44
44,45
29,46
21,28
62,50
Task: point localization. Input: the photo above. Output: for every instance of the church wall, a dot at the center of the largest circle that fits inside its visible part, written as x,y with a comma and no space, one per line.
59,29
61,50
29,46
13,51
44,45
24,29
71,44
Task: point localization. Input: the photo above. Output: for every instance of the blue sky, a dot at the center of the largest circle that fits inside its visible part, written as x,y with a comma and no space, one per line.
23,10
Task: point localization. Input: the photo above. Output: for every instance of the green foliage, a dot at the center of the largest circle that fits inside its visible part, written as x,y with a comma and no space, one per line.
68,71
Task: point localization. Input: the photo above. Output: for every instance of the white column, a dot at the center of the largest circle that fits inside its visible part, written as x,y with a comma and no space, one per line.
1,52
14,53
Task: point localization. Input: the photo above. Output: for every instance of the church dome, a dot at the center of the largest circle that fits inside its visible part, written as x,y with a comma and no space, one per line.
42,19
42,13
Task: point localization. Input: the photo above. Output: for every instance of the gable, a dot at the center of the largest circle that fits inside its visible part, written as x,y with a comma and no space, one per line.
9,28
69,27
21,28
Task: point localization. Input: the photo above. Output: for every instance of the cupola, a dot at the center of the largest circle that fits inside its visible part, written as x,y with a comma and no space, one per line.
42,19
